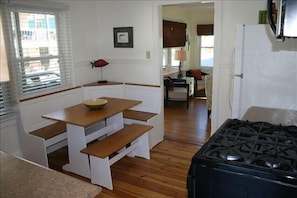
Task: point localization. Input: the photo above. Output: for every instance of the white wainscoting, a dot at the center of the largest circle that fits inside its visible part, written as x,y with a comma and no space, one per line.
152,101
35,148
149,95
33,109
115,91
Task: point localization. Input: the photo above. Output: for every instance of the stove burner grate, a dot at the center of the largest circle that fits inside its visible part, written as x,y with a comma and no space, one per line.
272,164
256,144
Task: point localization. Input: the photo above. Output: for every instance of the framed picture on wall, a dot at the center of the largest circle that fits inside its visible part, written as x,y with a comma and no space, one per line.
123,37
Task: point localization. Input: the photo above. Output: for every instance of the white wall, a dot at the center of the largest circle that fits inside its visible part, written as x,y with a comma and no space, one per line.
129,64
85,40
9,136
92,33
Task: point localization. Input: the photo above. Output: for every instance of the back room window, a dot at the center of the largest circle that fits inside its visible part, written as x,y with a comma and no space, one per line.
207,51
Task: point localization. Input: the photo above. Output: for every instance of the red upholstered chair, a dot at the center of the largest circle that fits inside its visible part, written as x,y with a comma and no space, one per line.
199,83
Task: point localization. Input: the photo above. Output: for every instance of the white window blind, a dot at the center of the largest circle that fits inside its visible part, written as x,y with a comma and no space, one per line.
4,74
6,98
39,51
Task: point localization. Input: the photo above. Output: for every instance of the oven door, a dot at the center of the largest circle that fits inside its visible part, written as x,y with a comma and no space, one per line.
217,182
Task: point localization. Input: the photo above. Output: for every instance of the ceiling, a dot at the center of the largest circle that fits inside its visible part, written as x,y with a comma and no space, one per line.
194,7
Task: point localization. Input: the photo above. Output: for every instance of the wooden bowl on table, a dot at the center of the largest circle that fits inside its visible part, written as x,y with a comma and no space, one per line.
95,103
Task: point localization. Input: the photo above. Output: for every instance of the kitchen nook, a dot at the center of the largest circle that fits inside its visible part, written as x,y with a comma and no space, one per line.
85,127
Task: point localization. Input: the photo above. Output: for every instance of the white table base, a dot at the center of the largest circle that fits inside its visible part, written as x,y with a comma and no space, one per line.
78,137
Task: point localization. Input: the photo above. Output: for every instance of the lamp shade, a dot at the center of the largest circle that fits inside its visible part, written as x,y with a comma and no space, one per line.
180,55
99,63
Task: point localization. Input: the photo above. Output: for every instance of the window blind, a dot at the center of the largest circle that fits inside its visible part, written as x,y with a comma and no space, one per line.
38,51
174,34
205,29
7,99
4,74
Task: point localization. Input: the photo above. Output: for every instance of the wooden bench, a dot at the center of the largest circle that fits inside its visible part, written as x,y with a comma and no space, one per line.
43,141
147,118
41,136
132,140
138,115
50,131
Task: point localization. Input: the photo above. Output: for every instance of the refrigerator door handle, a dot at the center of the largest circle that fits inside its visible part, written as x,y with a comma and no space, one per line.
238,75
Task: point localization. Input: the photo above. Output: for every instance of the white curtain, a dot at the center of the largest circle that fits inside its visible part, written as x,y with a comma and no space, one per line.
4,73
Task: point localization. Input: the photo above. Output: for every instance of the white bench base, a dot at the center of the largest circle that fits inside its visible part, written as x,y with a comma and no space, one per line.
100,167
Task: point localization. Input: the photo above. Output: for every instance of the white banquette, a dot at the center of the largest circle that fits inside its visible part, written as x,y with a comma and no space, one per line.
40,137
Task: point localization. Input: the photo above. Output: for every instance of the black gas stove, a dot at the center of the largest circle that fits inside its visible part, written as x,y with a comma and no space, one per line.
246,159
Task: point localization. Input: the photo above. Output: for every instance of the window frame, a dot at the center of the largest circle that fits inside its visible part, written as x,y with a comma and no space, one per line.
206,47
11,91
168,57
22,60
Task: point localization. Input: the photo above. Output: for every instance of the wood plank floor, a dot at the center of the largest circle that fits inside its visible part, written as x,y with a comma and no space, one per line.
165,174
188,126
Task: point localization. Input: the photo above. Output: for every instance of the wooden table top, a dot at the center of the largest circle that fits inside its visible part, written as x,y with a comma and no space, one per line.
82,116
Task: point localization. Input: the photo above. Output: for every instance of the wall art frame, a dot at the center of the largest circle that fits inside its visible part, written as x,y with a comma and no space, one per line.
123,37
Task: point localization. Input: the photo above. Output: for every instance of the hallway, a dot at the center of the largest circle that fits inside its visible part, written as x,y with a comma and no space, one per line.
188,126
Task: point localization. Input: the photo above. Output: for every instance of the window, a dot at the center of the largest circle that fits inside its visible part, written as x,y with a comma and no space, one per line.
207,51
37,53
168,57
5,102
40,57
5,96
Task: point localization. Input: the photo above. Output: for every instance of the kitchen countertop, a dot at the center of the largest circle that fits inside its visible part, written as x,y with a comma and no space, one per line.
22,178
273,116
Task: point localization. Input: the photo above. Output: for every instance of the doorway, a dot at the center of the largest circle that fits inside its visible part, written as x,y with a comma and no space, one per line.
192,14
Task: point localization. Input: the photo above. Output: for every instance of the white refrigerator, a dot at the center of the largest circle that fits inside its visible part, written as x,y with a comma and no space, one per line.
265,70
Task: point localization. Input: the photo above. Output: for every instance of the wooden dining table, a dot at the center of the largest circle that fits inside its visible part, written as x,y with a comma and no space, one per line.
85,125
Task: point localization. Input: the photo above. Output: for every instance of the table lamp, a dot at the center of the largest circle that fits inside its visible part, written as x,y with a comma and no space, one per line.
100,63
181,56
